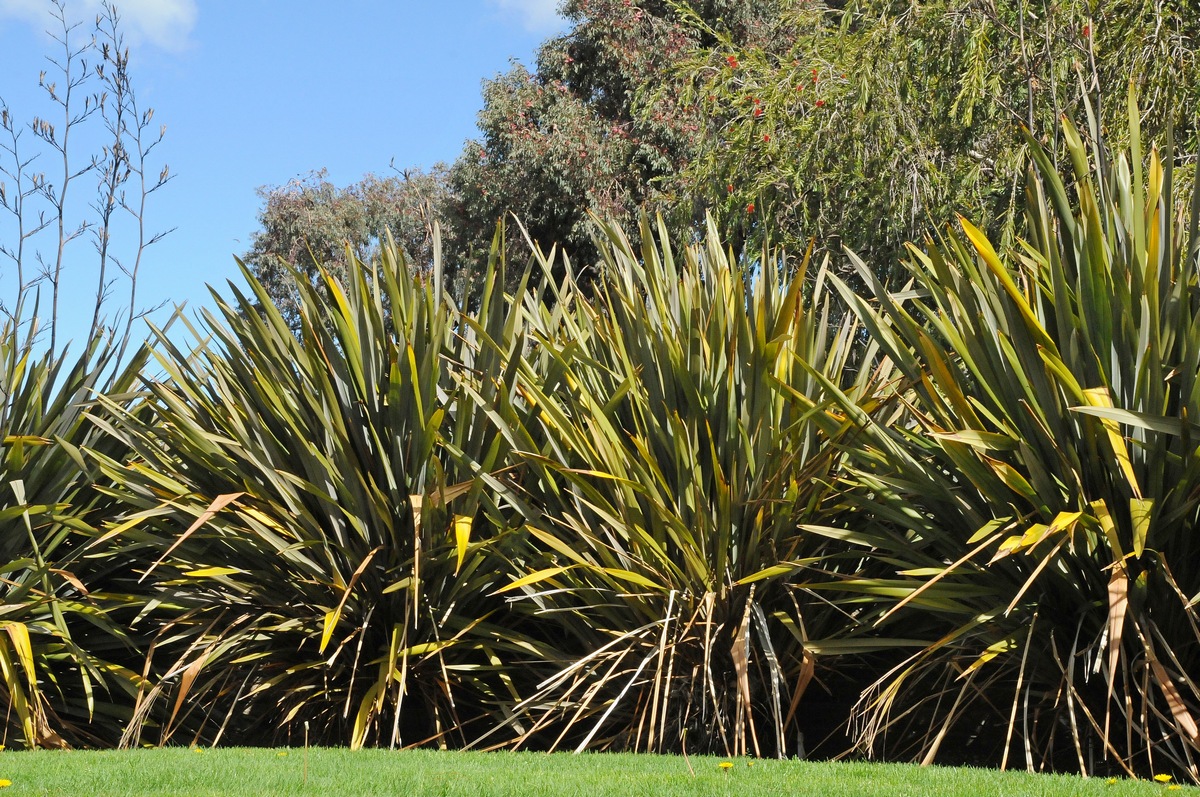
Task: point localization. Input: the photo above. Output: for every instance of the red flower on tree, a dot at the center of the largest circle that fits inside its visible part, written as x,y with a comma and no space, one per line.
750,208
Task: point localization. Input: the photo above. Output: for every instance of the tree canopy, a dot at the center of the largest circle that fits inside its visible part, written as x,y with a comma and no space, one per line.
864,123
874,121
310,223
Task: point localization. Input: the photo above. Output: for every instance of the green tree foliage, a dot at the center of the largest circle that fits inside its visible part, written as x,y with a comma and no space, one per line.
861,123
875,120
311,223
579,134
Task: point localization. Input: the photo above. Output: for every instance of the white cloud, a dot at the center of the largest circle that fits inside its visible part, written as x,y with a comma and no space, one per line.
539,16
162,23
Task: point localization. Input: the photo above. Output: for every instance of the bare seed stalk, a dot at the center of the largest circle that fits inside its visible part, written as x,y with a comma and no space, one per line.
74,72
25,186
38,204
135,143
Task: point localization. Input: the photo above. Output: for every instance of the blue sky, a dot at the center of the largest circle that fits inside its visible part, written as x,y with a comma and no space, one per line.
259,92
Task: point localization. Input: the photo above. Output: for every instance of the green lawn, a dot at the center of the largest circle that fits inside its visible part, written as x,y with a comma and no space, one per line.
342,773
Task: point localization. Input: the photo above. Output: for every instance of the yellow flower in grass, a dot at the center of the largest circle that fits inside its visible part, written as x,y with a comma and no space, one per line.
1111,781
726,765
1163,778
1173,787
5,783
282,754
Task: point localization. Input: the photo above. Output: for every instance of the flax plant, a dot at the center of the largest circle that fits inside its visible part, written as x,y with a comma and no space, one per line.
1051,459
64,655
311,554
671,436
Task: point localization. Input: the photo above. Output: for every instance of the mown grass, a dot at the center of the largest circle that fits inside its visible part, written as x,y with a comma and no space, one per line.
202,773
